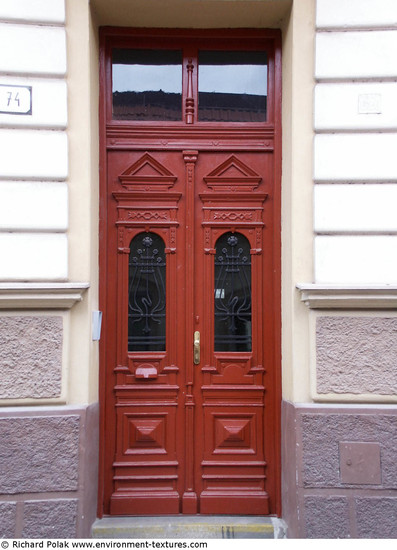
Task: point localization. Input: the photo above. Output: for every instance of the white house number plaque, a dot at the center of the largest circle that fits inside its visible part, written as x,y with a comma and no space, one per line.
15,100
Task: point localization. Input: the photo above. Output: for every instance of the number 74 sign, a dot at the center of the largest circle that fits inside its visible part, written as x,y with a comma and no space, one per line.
15,100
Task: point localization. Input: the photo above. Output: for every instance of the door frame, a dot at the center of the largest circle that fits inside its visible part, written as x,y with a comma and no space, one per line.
108,35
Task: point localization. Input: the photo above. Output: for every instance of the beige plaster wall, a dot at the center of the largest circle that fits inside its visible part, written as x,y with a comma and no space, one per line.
297,24
297,199
83,182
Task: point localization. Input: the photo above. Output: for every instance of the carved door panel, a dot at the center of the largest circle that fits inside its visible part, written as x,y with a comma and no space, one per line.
147,212
233,296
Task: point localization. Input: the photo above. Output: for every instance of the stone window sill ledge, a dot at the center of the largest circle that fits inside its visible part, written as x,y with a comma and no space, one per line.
41,295
321,296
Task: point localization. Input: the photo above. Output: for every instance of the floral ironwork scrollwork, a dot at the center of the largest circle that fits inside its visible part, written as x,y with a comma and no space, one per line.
146,296
232,293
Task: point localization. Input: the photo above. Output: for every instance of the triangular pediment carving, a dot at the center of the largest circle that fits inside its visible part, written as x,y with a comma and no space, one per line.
147,174
233,174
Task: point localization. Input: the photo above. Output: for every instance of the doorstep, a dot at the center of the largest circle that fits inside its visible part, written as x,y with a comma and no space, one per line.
189,527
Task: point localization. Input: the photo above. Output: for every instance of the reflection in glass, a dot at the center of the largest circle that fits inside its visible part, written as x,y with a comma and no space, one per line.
147,84
232,293
232,86
146,295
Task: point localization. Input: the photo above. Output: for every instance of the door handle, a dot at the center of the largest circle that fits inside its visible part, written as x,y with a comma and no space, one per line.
196,348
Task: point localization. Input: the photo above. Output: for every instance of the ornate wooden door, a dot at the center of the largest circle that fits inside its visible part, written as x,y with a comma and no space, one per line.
190,293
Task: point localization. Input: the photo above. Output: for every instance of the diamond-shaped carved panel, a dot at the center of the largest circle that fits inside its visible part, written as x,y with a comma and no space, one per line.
234,434
144,435
147,431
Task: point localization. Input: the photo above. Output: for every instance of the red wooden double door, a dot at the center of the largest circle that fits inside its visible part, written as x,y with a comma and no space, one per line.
190,294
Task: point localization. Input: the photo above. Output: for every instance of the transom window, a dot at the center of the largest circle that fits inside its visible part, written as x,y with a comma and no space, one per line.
232,86
169,85
147,84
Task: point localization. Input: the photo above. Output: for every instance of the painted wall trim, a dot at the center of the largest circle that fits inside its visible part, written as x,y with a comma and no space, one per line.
41,295
348,296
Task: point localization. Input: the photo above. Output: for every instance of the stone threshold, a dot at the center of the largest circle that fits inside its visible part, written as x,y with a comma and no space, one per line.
189,527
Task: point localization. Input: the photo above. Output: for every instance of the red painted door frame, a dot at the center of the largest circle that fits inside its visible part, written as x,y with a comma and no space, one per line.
193,459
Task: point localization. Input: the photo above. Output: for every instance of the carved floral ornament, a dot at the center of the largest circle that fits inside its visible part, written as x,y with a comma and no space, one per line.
147,215
233,216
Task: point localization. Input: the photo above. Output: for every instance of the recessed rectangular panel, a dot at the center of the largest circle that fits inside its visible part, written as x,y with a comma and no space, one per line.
360,463
213,502
161,502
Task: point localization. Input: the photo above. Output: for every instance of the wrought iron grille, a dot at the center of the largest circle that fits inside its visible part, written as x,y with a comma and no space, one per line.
232,293
146,296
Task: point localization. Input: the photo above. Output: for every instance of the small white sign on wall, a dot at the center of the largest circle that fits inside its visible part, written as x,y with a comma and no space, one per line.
369,104
15,100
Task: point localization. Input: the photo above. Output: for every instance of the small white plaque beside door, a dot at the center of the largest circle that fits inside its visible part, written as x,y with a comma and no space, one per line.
15,100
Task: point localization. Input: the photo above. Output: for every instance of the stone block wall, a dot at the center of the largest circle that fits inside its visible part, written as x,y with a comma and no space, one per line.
345,481
48,471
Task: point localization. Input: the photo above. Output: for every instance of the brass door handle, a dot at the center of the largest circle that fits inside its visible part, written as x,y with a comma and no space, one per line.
196,348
